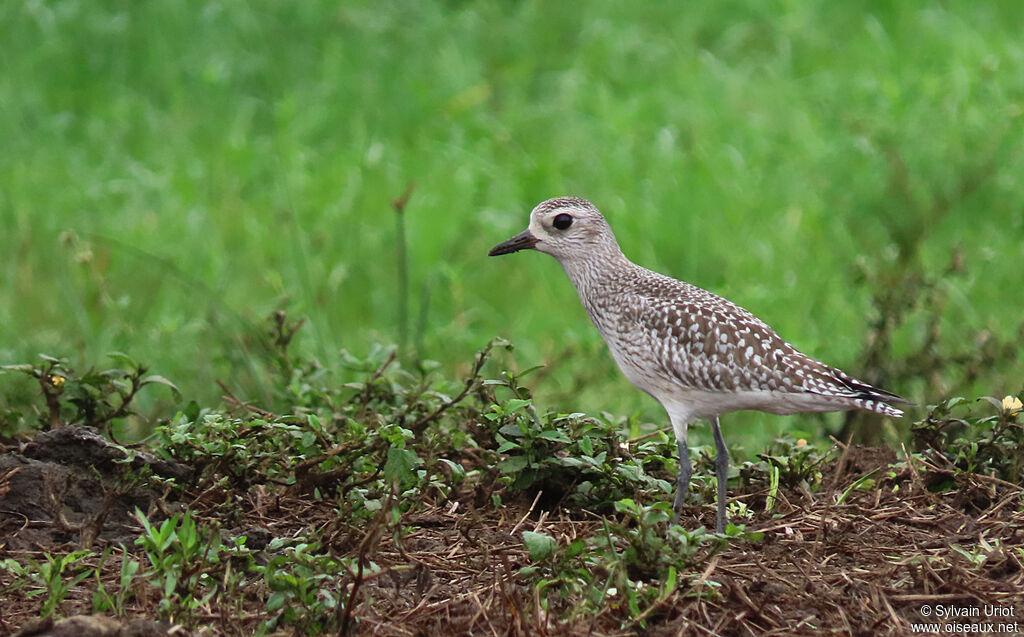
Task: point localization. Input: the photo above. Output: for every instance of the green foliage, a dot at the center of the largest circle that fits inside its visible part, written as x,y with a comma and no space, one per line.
348,440
105,601
406,431
633,565
188,565
586,460
787,463
953,435
304,593
54,576
978,555
540,545
394,441
95,398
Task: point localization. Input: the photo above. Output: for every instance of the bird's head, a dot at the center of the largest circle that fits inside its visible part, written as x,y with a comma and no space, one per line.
567,228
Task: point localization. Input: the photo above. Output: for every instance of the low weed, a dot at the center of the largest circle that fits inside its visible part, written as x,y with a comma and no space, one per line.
52,577
633,562
585,461
303,586
115,601
189,565
991,442
788,463
95,398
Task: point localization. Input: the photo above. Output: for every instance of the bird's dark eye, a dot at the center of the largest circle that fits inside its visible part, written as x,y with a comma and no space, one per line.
563,221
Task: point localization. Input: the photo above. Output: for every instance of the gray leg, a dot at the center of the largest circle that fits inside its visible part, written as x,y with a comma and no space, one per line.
721,472
683,479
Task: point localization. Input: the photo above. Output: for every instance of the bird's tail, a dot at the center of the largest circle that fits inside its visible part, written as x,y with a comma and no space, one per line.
872,398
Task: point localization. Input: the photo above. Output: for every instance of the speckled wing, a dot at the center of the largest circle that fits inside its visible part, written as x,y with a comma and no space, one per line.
708,343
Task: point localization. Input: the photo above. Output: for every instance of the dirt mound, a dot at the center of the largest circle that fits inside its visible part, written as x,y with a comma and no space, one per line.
72,485
93,626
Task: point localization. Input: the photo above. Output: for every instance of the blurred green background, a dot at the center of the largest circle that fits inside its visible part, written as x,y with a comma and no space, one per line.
174,171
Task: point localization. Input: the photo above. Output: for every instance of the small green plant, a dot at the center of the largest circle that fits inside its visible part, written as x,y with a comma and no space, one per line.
241,451
866,481
348,441
738,510
303,585
989,443
95,398
795,462
54,576
633,562
586,460
786,463
186,564
979,554
104,601
773,489
571,576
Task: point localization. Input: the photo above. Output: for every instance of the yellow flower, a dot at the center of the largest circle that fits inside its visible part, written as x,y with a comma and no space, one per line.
801,443
57,381
1011,404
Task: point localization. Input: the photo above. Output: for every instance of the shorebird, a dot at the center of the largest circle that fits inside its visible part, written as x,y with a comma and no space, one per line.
696,353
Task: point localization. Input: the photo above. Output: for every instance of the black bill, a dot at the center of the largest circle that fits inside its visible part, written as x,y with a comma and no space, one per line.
522,241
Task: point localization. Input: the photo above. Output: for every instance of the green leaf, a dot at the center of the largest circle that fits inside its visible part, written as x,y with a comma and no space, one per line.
995,402
154,378
13,566
627,505
276,602
124,359
529,370
192,411
670,580
515,404
314,423
540,545
576,547
587,446
655,516
26,369
557,436
515,464
458,471
400,463
513,430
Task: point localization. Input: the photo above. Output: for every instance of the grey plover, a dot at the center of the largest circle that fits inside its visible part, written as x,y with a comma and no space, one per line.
696,353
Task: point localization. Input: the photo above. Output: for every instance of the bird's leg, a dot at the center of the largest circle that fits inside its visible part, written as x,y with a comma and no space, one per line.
683,479
721,472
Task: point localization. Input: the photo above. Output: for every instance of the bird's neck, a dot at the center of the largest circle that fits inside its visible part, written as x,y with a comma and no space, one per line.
595,270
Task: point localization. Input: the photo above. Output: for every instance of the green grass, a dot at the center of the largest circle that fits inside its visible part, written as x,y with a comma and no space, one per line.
172,172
